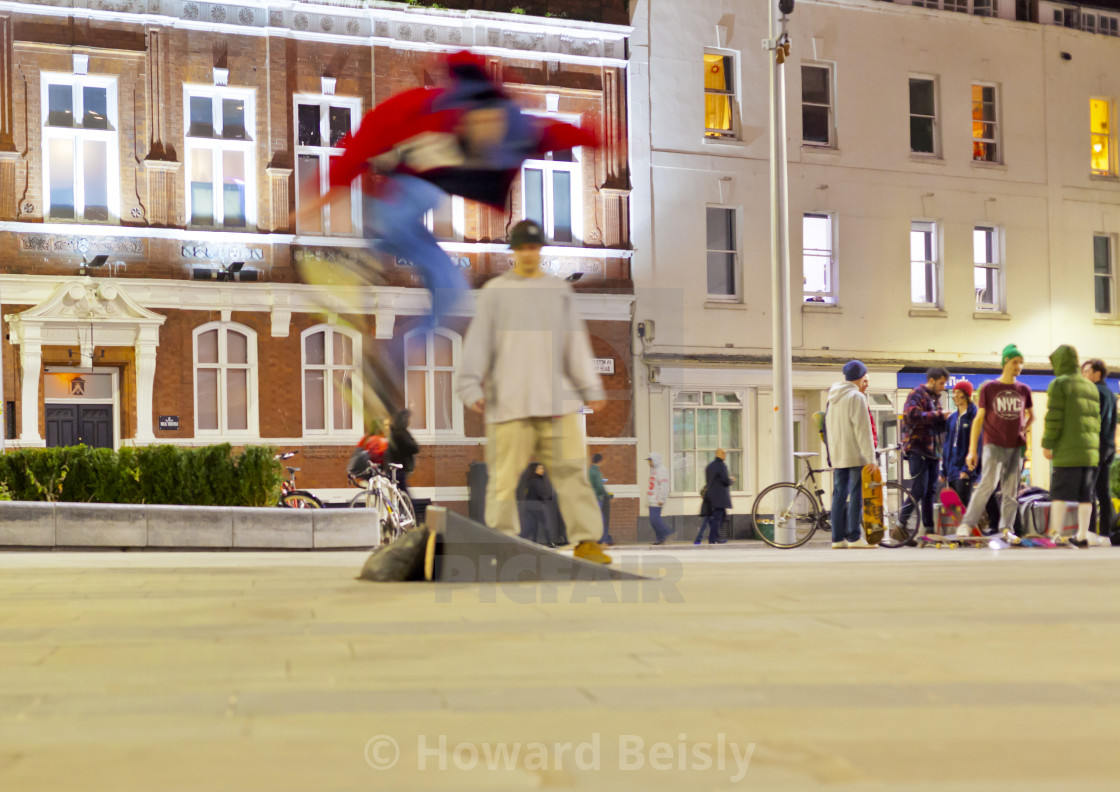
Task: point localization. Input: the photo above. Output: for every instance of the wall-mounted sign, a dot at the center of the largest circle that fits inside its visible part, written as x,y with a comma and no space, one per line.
77,387
604,365
169,422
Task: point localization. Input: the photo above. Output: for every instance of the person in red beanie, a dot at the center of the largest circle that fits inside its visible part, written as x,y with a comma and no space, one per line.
954,470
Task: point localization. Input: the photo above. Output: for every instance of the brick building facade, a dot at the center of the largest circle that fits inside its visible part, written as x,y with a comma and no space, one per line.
147,147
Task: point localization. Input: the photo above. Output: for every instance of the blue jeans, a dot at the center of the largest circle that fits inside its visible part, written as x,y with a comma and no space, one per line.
923,473
713,522
396,219
847,503
660,529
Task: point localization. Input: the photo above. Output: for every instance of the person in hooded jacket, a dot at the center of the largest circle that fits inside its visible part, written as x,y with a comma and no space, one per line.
402,449
1071,441
850,449
955,474
657,493
1096,371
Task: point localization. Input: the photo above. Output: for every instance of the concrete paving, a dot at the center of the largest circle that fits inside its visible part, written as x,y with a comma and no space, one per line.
744,668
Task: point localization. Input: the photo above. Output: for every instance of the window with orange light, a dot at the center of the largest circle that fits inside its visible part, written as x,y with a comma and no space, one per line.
1100,132
985,126
719,95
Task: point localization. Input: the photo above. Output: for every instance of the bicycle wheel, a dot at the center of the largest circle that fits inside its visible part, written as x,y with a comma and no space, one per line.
785,515
405,511
363,500
895,498
300,500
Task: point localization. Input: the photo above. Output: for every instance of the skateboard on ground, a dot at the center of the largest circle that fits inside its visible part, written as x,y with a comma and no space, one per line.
952,541
873,504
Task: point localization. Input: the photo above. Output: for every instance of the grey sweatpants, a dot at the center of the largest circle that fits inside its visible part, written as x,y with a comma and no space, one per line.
1000,466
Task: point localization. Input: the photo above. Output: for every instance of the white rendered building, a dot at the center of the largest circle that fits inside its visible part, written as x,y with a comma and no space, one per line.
953,187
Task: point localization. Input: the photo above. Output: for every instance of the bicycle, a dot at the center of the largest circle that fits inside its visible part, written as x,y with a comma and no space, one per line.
290,496
395,512
798,508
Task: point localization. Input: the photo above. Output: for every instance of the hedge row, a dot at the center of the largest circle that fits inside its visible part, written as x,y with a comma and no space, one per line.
164,474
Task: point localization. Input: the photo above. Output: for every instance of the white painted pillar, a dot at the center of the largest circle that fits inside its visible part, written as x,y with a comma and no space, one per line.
145,389
31,359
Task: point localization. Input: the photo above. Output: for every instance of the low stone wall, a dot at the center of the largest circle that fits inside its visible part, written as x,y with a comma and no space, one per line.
30,524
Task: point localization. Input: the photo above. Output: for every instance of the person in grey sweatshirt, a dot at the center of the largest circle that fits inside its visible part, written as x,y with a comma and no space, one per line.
527,366
850,449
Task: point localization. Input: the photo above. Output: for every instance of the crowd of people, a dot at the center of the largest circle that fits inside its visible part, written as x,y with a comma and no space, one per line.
979,449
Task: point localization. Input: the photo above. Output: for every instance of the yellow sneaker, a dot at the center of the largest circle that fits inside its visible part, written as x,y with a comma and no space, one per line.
591,551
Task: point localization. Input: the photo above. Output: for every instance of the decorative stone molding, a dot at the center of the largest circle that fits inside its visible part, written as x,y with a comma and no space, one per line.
81,246
279,190
163,192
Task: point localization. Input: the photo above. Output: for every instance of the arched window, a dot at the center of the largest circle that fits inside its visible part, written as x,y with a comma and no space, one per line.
430,363
225,379
331,380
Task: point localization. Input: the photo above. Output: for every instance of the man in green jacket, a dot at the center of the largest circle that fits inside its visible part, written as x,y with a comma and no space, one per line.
595,476
1071,441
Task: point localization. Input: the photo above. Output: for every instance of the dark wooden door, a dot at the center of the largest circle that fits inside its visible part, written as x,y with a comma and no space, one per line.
74,424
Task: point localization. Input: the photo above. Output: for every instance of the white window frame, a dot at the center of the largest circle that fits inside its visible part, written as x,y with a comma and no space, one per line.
429,431
739,486
737,292
325,153
933,228
1111,137
936,153
251,396
996,235
734,93
77,134
217,145
996,123
458,220
830,68
1110,276
831,297
329,368
549,168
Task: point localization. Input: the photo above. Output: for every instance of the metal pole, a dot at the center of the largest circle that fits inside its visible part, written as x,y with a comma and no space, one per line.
779,264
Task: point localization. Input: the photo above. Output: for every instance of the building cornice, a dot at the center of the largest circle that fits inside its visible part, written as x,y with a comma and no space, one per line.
281,299
370,23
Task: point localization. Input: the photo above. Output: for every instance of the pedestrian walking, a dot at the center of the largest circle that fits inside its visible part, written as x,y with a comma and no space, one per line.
657,493
923,430
1071,441
1096,372
402,449
717,496
598,483
538,497
955,473
527,366
1003,415
850,448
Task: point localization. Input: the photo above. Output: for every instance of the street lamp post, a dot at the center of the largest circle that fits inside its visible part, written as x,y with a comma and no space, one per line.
778,46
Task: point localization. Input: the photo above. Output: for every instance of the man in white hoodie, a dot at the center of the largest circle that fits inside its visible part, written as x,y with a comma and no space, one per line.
657,494
850,449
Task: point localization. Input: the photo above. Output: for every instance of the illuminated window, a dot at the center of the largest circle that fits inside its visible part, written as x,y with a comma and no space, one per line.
80,147
321,124
816,105
220,161
925,268
719,95
552,194
1100,133
923,115
985,125
702,422
225,372
431,360
987,277
331,402
818,258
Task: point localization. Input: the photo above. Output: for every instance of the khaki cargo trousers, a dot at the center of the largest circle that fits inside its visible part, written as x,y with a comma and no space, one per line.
557,443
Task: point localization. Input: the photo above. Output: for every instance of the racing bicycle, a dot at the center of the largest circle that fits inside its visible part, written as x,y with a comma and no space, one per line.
797,507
